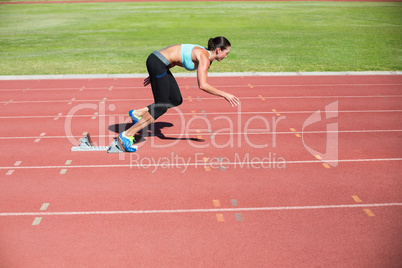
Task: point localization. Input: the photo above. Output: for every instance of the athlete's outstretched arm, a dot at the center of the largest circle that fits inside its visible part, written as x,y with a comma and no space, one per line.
202,74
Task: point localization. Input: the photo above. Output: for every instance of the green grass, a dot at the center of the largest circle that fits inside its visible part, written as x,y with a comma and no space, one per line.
92,38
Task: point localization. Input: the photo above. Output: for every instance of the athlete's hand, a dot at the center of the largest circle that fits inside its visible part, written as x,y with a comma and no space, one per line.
147,81
234,101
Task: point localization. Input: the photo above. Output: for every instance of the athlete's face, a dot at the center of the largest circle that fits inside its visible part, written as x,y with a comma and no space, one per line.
223,53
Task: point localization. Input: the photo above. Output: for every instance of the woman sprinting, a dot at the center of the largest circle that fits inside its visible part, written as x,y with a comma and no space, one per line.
164,86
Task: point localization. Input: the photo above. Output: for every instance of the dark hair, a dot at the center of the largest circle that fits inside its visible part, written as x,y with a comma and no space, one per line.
218,42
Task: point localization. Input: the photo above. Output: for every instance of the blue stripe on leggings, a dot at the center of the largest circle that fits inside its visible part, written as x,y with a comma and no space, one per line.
161,75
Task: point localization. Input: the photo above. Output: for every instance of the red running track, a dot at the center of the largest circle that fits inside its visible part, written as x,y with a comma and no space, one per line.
305,173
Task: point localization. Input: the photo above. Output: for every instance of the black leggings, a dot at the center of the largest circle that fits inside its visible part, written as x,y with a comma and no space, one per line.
164,86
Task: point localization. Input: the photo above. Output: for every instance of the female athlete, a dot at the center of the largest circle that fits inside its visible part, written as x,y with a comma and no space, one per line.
164,86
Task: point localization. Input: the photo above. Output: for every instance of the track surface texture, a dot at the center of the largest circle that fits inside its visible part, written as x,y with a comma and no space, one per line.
306,172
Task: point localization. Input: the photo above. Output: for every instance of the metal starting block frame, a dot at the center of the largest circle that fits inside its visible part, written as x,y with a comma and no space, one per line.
87,145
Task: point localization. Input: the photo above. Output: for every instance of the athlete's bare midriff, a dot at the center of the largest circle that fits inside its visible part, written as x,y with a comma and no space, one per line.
172,54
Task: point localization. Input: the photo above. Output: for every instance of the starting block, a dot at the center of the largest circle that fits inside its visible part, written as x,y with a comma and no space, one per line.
87,145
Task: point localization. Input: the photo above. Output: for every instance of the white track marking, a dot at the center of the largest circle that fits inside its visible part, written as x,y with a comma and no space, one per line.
44,206
262,132
199,164
174,211
37,221
227,74
212,98
209,113
183,85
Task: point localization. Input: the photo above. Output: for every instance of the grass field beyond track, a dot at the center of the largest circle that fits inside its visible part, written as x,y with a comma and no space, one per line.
93,38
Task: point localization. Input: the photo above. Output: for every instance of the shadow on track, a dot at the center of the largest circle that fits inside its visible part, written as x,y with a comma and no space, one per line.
153,130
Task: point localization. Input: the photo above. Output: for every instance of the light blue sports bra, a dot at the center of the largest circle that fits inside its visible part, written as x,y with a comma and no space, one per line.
186,60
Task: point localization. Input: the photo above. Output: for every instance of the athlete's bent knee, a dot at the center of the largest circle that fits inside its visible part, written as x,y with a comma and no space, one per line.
177,102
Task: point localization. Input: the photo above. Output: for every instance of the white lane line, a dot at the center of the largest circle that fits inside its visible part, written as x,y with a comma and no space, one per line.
182,85
70,102
41,135
37,220
262,132
319,97
290,132
173,211
7,102
210,113
202,163
11,171
213,98
58,116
